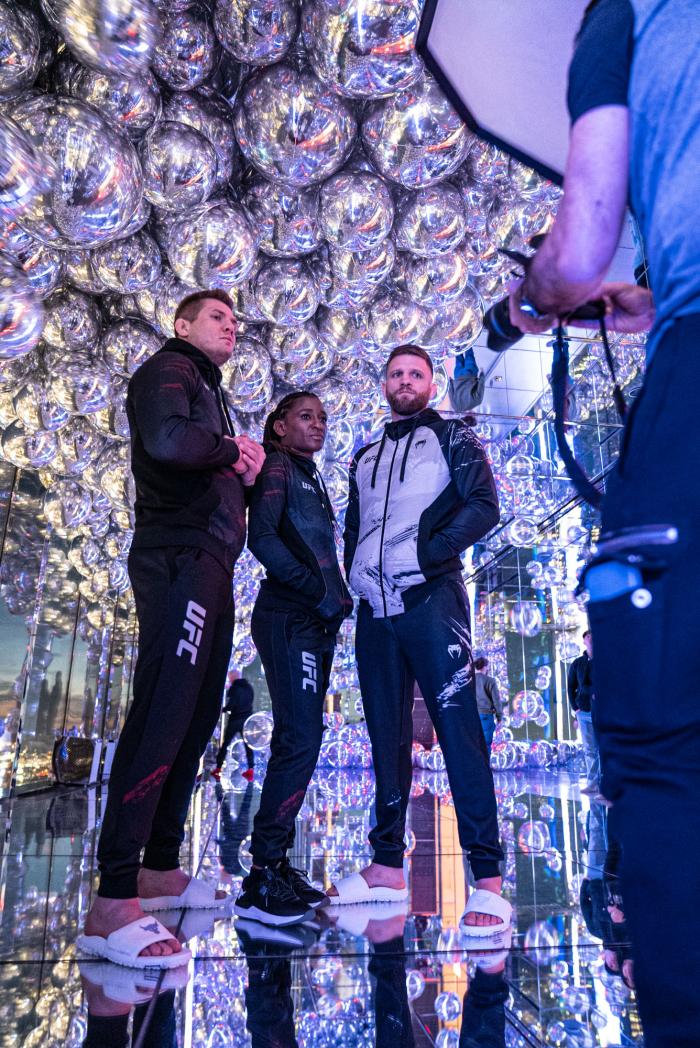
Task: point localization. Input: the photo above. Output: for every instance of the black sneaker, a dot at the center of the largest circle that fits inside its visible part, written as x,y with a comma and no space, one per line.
267,897
262,940
299,883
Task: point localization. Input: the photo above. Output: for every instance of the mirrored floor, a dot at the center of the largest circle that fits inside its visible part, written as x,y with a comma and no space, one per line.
390,975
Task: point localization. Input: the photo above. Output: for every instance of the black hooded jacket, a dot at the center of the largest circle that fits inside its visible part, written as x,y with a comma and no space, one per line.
291,530
182,451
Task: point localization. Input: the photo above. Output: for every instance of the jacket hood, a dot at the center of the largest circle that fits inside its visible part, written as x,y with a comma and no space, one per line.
401,426
207,368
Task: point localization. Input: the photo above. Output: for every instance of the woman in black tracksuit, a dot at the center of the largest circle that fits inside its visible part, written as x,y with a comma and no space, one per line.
300,607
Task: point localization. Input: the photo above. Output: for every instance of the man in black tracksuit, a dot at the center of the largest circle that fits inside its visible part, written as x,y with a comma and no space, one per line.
418,499
190,472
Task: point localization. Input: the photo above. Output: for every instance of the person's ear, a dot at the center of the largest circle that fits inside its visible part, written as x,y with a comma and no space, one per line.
182,327
433,390
279,427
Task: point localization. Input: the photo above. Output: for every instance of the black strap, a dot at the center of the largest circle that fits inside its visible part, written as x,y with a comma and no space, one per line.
560,381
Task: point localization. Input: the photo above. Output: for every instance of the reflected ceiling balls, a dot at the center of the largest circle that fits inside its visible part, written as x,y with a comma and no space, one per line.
415,138
292,128
22,169
179,166
258,32
20,54
115,37
356,211
21,312
187,51
95,177
363,48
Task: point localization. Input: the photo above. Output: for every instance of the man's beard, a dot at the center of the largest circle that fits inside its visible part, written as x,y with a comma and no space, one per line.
408,403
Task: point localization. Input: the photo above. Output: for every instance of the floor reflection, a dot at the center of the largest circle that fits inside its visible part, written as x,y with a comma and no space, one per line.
394,975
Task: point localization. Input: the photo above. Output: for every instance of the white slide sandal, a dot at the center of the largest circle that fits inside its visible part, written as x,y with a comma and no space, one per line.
354,889
128,985
355,918
125,944
198,895
492,904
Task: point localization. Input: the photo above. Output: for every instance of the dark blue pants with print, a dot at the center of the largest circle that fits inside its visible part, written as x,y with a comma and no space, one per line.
297,655
647,687
429,645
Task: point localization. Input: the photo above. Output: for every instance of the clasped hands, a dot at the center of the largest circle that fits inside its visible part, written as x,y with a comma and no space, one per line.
250,459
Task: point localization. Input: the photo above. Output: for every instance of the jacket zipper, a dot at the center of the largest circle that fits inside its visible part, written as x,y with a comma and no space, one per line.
381,537
325,501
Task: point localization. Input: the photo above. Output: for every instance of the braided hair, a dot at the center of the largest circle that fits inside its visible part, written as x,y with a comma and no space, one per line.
269,435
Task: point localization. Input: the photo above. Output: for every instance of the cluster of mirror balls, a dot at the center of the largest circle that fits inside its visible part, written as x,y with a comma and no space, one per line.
301,158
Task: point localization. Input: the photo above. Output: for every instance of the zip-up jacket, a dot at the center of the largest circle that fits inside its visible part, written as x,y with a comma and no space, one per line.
182,452
291,530
418,499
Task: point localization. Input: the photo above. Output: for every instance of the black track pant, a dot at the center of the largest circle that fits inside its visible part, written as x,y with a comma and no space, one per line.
234,726
184,605
646,671
430,644
297,654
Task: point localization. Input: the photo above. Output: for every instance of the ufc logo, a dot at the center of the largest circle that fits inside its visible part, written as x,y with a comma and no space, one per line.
194,620
308,666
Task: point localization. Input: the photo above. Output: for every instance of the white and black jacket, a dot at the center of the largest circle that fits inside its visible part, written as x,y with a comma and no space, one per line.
418,499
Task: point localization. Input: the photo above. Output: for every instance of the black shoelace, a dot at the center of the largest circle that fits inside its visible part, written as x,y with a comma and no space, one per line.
277,884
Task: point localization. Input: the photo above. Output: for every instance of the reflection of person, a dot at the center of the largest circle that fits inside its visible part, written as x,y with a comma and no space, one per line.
488,698
418,499
466,387
108,1016
190,471
268,996
233,829
298,612
483,1009
88,712
392,1013
239,706
581,698
601,896
634,98
54,718
42,716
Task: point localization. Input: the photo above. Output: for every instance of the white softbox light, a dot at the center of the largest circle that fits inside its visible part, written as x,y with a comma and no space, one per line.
503,64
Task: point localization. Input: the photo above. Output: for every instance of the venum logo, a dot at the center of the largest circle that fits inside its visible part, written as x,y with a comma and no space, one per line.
309,672
454,650
194,621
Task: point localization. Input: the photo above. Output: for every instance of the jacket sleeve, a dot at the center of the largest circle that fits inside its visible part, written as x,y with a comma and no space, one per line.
267,504
161,396
572,685
351,529
495,696
472,477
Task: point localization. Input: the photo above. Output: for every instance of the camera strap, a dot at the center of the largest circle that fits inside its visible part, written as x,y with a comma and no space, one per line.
560,384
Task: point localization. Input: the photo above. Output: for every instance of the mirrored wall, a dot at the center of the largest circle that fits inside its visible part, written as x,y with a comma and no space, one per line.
68,632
